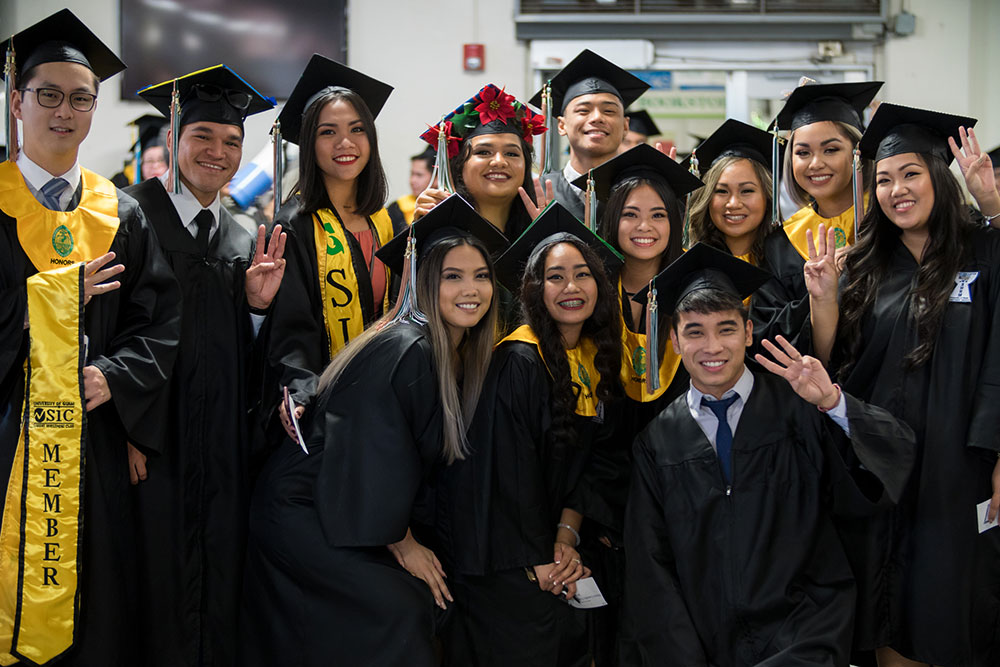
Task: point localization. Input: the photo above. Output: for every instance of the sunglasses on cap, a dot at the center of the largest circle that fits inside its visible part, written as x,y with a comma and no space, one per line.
209,92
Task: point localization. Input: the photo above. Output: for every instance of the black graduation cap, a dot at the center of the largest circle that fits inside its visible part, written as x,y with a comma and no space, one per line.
590,73
640,121
736,139
700,267
641,160
320,74
552,220
454,216
148,128
62,37
844,102
995,157
214,94
896,129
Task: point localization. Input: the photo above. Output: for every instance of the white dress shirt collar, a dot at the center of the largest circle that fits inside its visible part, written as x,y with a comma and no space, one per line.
36,177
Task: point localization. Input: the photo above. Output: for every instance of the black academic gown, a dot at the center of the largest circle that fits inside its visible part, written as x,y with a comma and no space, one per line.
929,582
565,193
192,509
133,333
753,572
321,587
497,517
781,305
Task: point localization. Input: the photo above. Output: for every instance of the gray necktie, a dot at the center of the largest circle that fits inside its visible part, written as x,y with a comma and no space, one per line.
51,192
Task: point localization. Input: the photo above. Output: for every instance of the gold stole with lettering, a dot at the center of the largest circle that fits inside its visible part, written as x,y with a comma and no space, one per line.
581,367
338,284
40,531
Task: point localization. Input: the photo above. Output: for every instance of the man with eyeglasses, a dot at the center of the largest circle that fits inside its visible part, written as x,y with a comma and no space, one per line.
89,325
193,499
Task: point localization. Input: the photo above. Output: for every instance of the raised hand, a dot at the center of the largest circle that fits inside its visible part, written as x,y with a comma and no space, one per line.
94,275
977,170
263,278
805,374
542,198
427,200
822,269
669,152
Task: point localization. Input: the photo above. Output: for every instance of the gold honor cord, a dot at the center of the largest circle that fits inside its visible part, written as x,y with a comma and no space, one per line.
40,532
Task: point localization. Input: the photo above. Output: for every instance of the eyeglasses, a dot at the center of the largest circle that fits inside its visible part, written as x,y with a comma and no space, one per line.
208,92
50,98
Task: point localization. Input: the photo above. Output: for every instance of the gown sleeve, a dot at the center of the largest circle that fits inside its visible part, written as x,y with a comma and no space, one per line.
657,628
140,356
984,427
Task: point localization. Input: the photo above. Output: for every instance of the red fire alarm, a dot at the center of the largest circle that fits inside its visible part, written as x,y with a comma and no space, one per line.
474,57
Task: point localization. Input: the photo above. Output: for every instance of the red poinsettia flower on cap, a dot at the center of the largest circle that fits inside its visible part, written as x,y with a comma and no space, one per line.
532,124
431,137
495,105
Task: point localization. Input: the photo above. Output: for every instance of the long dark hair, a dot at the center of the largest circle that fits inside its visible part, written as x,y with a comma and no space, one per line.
611,219
703,229
372,187
867,264
519,218
603,327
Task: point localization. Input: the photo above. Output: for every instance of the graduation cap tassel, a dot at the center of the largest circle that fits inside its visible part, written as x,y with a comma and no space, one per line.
652,341
136,157
686,233
859,199
442,165
775,177
10,124
175,135
550,142
406,303
590,205
279,163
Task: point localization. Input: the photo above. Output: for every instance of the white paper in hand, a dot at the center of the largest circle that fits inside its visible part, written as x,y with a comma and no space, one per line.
982,509
290,408
588,595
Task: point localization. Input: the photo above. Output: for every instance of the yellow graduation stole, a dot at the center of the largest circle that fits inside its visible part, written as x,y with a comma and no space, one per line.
407,205
40,529
806,218
338,284
52,239
581,367
634,364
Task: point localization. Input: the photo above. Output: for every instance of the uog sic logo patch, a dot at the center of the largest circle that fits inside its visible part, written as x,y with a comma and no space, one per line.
62,240
53,414
639,360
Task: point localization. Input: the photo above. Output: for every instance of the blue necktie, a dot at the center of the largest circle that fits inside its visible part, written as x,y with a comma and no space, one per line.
723,435
51,192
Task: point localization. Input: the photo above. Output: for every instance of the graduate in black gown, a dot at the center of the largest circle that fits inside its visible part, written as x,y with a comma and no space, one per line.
334,285
732,553
192,501
509,535
643,217
916,333
589,97
131,316
333,529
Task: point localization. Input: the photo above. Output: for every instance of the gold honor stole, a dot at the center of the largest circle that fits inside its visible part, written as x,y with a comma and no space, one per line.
407,205
806,218
581,367
40,533
338,284
634,364
52,239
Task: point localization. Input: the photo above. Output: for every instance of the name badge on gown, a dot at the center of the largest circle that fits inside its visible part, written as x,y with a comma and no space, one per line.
962,293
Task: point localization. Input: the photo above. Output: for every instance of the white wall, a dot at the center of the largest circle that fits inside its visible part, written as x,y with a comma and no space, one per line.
949,64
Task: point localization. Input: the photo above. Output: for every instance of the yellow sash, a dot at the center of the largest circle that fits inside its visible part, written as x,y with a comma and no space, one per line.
338,284
806,218
61,238
634,364
40,530
407,205
581,366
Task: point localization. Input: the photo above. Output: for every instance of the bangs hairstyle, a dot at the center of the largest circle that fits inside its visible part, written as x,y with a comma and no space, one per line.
867,263
796,191
704,230
611,219
519,218
473,354
24,78
707,301
372,188
604,327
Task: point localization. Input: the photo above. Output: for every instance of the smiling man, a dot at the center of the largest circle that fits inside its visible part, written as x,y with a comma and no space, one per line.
193,498
87,353
589,95
730,544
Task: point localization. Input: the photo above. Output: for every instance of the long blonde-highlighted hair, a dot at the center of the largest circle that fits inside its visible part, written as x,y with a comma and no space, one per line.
471,359
796,191
704,230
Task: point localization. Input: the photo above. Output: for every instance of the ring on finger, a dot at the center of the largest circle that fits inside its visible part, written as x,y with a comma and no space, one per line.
577,561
